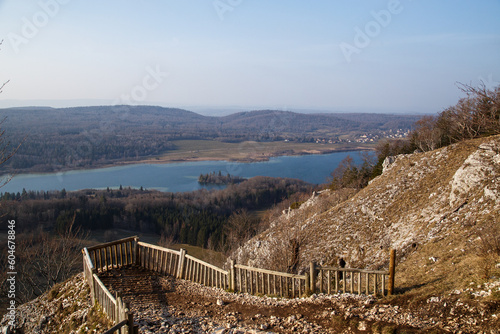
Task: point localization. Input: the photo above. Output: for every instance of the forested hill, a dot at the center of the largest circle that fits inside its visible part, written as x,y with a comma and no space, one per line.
57,138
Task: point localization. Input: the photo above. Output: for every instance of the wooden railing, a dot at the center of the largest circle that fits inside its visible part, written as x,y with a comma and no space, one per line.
239,278
349,280
113,254
110,255
205,273
267,282
344,280
159,259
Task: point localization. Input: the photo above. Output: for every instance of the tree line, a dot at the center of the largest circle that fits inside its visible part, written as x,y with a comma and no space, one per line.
197,218
474,116
219,178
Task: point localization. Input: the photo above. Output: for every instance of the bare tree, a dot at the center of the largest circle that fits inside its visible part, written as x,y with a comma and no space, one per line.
44,260
6,152
239,228
427,135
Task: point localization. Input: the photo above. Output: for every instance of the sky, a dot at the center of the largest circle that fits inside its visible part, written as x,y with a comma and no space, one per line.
391,56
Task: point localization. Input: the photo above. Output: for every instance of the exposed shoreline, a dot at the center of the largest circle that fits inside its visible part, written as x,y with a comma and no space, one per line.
195,156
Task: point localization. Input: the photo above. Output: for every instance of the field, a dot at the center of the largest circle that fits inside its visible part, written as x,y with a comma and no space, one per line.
248,151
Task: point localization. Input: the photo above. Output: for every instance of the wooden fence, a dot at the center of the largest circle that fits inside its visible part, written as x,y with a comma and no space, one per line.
107,256
238,278
330,280
267,282
204,273
159,259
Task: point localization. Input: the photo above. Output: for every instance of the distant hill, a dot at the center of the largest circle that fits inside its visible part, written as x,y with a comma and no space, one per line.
92,136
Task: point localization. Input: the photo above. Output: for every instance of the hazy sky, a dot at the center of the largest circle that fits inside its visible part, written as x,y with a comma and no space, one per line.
331,55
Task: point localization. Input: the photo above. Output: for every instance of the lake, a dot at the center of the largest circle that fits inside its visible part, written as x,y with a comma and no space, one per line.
179,177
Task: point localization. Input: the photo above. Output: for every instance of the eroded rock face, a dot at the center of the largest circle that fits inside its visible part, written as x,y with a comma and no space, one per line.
388,161
477,169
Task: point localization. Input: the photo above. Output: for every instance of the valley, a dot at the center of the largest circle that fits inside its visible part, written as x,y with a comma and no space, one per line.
64,139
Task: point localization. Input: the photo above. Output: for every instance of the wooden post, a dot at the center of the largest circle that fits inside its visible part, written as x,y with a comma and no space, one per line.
232,284
312,274
130,319
136,252
308,284
182,258
392,271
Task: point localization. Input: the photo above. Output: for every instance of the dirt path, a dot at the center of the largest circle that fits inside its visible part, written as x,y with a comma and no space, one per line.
166,305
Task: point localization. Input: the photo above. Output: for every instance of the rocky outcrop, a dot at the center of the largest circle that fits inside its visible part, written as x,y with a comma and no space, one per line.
479,172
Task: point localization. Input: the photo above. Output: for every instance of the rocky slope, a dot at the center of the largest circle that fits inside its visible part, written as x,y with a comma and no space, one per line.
440,210
66,308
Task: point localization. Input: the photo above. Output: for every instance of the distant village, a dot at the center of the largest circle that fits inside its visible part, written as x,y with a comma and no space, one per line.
366,137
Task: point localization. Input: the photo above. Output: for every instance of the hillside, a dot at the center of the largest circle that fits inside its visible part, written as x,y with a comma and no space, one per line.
440,210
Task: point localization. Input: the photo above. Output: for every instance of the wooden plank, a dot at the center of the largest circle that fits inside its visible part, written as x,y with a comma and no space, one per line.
100,259
94,260
356,270
206,264
107,244
197,271
321,274
145,244
367,283
329,279
156,260
105,250
240,281
359,283
120,252
256,282
125,253
392,271
188,270
269,271
163,267
246,281
351,277
116,256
